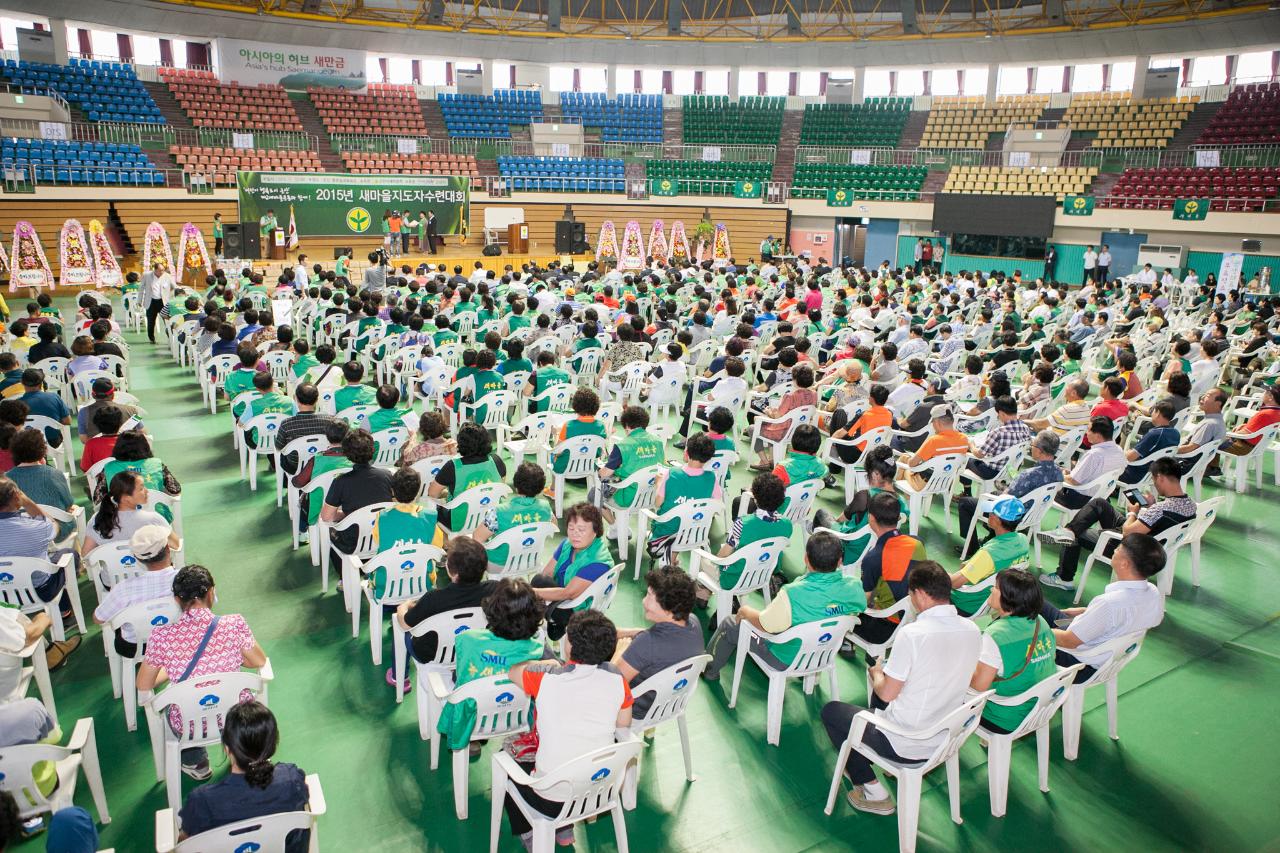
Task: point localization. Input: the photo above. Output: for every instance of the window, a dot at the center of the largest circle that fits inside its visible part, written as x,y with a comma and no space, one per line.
715,81
1121,77
373,69
561,78
1012,80
876,83
910,83
593,79
433,74
1209,70
399,70
651,81
9,30
748,82
104,45
683,82
1048,79
1086,78
501,74
777,83
809,83
944,81
179,53
1252,67
146,50
975,81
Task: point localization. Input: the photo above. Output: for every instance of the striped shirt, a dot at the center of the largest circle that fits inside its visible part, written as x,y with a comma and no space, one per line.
135,590
24,536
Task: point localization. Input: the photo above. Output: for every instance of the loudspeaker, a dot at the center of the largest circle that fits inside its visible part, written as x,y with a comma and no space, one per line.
339,251
569,234
1251,245
909,25
553,14
435,12
675,17
233,240
251,240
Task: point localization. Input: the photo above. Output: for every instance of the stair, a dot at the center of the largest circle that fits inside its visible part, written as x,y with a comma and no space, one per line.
1189,133
934,180
435,120
330,160
672,133
162,159
1103,183
116,232
913,130
487,168
784,161
168,104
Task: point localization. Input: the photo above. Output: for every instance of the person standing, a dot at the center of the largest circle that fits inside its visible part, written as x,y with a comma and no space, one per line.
918,254
1050,262
266,224
1090,266
926,254
396,223
217,235
1104,264
431,232
157,289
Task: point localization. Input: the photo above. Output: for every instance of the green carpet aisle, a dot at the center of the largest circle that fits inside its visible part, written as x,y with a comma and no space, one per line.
1194,770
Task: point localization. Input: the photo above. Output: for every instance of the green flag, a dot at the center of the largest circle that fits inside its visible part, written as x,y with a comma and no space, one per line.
1078,205
1191,208
665,187
839,198
747,189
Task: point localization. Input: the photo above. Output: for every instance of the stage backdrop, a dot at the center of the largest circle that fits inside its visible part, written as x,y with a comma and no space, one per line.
294,67
335,205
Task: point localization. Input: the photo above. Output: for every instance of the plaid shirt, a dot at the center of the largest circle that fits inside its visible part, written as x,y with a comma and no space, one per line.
1005,436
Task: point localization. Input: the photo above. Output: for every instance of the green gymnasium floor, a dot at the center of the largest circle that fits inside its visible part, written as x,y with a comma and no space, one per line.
1194,769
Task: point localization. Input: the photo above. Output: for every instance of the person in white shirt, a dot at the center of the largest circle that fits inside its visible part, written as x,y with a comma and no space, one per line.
478,274
1167,281
1131,603
1104,263
926,678
301,275
1192,281
1090,265
1103,455
157,289
1146,275
151,545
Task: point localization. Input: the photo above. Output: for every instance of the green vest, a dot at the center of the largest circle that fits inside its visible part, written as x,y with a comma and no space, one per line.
754,528
150,469
639,450
1013,637
444,336
239,381
682,487
572,429
819,595
570,562
997,555
387,418
353,395
801,467
323,464
516,511
853,550
303,364
485,383
544,378
480,654
397,528
271,404
474,474
518,321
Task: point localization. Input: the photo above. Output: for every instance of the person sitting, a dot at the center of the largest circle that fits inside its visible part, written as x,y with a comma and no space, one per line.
121,513
925,678
582,705
151,545
199,643
329,459
25,531
390,413
635,450
42,483
1161,435
353,490
674,633
107,422
405,522
1148,515
943,440
44,404
352,393
692,481
1103,455
586,405
103,391
1044,471
1074,412
1011,431
886,566
84,357
1018,649
728,390
240,380
764,522
270,402
875,417
526,506
254,787
1110,405
306,421
1004,549
1212,428
823,592
49,345
921,416
582,558
476,465
547,375
132,452
1131,603
430,439
1267,414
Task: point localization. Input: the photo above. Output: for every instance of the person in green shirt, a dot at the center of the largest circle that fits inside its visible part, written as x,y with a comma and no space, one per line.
443,334
266,224
240,380
768,493
342,267
485,381
823,592
389,414
635,450
801,462
547,375
526,506
692,481
1018,649
304,360
332,459
133,453
405,522
517,319
515,361
582,558
217,235
352,393
585,404
1004,550
881,471
271,402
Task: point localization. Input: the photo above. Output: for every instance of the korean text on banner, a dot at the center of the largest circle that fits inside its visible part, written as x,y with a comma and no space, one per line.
1229,271
343,205
291,66
406,146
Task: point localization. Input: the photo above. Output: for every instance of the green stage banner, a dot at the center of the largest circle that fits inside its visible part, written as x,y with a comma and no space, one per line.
664,187
747,189
1078,205
1191,208
338,205
839,198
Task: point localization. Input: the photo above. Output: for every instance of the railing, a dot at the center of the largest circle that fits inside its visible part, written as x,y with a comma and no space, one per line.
934,158
1231,156
160,136
1229,205
489,148
501,186
733,153
560,119
27,178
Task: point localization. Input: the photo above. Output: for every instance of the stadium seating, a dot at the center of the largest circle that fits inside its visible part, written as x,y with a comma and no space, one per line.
104,91
220,165
80,162
1122,122
713,120
1249,116
209,102
707,178
579,174
877,122
890,183
630,118
489,116
365,163
1230,189
1016,180
385,109
967,122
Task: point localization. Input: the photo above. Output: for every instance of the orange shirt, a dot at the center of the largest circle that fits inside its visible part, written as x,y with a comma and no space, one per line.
873,418
946,441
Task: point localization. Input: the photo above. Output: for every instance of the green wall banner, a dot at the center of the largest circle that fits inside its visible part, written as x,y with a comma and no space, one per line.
340,205
839,198
1078,205
1190,208
668,187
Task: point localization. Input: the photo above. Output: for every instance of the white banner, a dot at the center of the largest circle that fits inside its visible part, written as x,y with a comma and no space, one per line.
1208,158
860,157
241,140
560,149
294,67
711,153
1020,158
1229,271
53,130
282,311
407,146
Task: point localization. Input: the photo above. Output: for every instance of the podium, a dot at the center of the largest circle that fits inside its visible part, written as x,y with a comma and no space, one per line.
275,244
518,238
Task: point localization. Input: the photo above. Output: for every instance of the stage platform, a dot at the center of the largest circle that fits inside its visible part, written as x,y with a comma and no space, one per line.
454,256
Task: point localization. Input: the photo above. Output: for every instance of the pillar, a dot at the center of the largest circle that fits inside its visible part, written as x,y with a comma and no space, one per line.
859,85
1140,65
612,80
735,78
993,82
486,76
58,27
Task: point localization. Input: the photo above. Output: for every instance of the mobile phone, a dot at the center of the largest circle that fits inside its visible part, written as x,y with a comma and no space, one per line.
1135,497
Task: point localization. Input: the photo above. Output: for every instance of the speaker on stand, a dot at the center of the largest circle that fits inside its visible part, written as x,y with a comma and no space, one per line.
571,237
233,240
250,240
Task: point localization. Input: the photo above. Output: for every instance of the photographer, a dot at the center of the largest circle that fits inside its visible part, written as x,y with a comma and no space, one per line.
375,277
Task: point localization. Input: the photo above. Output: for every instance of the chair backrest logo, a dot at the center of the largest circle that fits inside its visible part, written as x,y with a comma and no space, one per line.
504,698
680,685
602,773
209,701
825,638
160,620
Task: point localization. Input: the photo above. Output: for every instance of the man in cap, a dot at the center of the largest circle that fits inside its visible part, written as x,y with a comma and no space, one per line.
103,390
152,545
1006,548
1044,450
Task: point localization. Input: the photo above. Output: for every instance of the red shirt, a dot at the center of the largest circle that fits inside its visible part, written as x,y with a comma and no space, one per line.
1110,409
96,449
1265,417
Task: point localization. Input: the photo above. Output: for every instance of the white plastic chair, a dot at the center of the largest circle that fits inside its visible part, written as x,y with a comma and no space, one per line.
598,595
446,626
1049,695
357,416
944,470
408,576
145,617
268,832
38,672
721,464
955,726
213,375
525,546
819,642
645,482
1255,458
60,516
625,383
1004,463
672,690
497,406
901,610
501,709
315,490
587,786
17,589
1037,503
61,456
1100,486
80,754
583,452
1122,651
266,426
695,518
854,473
863,534
1171,538
1197,462
1206,512
759,559
477,501
363,521
390,444
202,700
302,449
557,397
799,501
